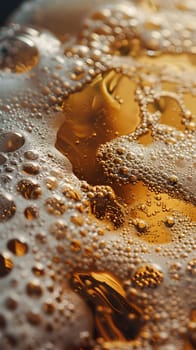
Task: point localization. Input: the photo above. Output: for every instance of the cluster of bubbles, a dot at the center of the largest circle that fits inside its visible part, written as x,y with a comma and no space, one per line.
97,182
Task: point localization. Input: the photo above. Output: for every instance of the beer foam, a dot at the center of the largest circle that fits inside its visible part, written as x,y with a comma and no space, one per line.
97,160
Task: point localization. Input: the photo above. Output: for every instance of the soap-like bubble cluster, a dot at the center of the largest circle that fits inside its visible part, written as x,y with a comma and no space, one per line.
97,176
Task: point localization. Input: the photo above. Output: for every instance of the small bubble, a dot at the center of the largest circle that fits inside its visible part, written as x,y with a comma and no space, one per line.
30,168
59,230
7,207
38,270
169,221
2,322
33,318
2,159
191,267
51,183
31,213
28,189
49,307
55,206
11,304
31,155
17,247
75,246
34,289
147,276
6,265
140,225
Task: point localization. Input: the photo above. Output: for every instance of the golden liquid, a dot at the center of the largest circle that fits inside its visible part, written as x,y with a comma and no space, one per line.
94,116
115,317
104,110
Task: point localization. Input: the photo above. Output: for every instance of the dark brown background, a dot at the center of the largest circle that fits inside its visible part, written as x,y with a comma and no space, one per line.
6,7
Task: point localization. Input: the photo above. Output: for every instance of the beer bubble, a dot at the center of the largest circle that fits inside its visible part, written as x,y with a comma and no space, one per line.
31,155
29,189
31,213
147,276
191,267
34,289
55,206
33,318
6,265
38,270
7,207
10,141
100,251
17,247
18,54
11,303
2,322
2,159
31,169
